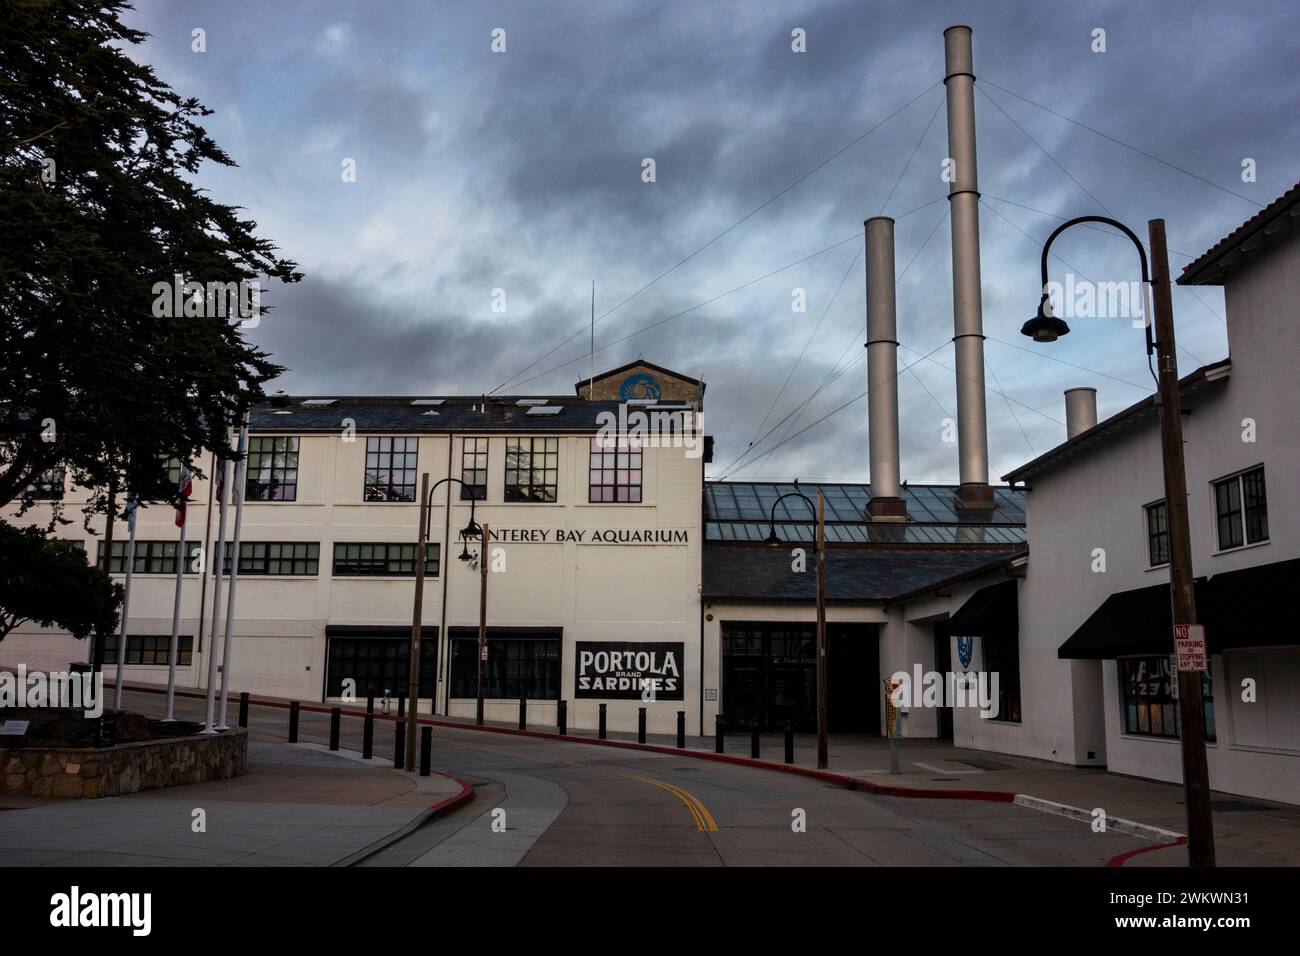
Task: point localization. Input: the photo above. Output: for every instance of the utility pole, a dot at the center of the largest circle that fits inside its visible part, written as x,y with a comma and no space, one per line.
823,758
1191,708
417,622
482,621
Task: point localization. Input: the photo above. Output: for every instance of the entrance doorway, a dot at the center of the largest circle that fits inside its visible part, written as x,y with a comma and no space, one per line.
943,664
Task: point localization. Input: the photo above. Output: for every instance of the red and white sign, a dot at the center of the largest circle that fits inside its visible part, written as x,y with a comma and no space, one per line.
1189,643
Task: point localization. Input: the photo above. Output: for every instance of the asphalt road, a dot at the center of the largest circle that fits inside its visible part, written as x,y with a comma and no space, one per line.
546,803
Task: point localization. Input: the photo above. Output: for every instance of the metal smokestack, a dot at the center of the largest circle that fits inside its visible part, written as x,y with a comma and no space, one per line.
968,320
1080,410
882,373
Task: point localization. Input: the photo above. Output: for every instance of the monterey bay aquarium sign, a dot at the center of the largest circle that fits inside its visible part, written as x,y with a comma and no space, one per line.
590,535
629,671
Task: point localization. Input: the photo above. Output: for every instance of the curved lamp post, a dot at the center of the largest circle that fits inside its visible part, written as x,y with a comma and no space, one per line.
819,511
471,530
1046,327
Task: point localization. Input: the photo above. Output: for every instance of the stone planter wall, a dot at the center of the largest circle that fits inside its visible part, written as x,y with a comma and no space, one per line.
127,768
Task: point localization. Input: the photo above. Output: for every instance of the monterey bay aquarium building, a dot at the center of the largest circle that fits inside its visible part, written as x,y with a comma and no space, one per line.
619,574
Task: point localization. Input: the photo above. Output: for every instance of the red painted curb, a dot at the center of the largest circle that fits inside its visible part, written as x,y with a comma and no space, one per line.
1129,854
851,783
456,799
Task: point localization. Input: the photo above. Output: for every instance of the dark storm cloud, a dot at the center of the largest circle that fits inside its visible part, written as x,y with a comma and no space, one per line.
522,172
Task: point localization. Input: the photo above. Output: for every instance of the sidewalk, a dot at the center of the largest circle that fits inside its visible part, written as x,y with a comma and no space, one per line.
298,805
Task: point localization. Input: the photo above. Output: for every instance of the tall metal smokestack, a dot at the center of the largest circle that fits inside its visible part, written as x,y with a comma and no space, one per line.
968,320
1080,410
882,373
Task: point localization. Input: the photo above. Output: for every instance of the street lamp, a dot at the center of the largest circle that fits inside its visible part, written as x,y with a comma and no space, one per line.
1045,327
471,530
819,509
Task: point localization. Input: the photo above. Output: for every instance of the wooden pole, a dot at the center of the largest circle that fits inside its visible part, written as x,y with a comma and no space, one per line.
417,622
823,756
482,619
1196,785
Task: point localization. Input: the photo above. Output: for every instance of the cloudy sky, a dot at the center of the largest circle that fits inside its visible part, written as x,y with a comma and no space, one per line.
521,171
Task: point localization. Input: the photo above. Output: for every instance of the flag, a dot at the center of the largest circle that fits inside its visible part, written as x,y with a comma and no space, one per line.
183,491
219,478
132,503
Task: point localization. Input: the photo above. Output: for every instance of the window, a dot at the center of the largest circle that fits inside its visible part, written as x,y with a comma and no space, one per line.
515,667
151,557
149,649
615,473
474,468
532,469
380,664
1149,686
1002,657
48,486
1241,507
275,557
272,472
390,469
173,466
1157,534
386,560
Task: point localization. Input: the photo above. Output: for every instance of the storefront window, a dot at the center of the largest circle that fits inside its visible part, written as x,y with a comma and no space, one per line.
516,667
1150,689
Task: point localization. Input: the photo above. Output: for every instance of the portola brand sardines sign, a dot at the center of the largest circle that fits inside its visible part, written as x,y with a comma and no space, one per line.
629,670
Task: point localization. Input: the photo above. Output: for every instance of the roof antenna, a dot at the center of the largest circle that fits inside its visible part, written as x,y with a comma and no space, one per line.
591,359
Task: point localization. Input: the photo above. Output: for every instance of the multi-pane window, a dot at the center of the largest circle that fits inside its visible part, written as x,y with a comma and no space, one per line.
1157,534
149,649
474,468
386,560
515,667
1149,686
615,470
151,557
1241,509
380,665
272,472
390,468
48,485
1002,657
275,557
173,466
532,469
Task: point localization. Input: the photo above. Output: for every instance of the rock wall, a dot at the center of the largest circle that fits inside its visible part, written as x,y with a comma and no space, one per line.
127,768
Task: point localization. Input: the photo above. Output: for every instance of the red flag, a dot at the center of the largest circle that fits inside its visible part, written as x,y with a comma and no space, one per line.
184,489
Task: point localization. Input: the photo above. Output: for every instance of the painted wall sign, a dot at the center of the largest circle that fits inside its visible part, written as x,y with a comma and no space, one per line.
640,385
624,670
965,650
591,535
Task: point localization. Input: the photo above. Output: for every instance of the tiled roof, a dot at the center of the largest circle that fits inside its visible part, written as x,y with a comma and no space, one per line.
1278,217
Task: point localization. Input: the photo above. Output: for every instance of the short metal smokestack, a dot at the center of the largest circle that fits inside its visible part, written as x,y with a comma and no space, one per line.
1080,410
968,320
882,373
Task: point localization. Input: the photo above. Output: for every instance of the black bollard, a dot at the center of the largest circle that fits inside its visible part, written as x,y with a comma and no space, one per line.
718,733
478,712
640,726
243,709
336,716
681,730
401,706
602,721
789,742
368,738
293,721
562,717
426,749
370,703
399,745
523,713
753,737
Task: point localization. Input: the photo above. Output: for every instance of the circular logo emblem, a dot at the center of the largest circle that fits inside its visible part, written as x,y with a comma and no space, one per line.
639,387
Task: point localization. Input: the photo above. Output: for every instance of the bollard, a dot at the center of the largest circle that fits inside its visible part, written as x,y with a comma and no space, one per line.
789,742
336,716
370,703
718,732
640,726
753,737
478,713
602,721
399,746
243,709
523,713
401,706
368,738
426,749
681,730
562,717
293,721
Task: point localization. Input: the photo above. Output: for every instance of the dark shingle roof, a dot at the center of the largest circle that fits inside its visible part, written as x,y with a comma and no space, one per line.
455,413
1278,217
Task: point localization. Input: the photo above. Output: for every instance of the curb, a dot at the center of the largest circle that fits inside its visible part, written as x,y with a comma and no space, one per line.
1144,831
455,800
1123,857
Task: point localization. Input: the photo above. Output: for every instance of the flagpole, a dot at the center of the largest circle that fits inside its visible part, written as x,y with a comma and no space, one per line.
237,492
216,597
131,504
176,613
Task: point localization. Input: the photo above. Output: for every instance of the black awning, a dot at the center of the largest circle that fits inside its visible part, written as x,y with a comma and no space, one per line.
539,633
989,609
379,630
1238,609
